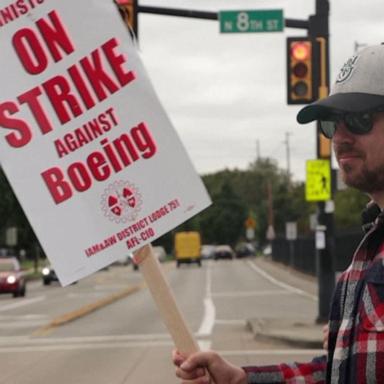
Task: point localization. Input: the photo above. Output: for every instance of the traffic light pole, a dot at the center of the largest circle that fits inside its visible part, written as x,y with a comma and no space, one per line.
319,31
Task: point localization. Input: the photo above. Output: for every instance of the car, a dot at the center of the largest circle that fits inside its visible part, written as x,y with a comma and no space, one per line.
207,251
244,250
12,278
224,252
187,248
159,253
125,260
48,275
267,250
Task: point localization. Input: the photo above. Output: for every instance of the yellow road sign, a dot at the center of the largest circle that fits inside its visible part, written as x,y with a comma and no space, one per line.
318,180
250,222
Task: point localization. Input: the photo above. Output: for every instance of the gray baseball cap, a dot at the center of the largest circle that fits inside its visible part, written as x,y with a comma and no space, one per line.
359,87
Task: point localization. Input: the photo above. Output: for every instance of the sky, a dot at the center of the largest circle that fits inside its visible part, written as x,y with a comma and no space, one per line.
226,93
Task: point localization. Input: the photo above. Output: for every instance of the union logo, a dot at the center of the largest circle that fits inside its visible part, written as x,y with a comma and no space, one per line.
121,202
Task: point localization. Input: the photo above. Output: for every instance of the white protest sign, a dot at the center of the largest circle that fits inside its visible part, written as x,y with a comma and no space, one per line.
84,141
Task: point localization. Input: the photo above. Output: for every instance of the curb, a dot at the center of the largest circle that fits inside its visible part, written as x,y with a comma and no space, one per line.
292,333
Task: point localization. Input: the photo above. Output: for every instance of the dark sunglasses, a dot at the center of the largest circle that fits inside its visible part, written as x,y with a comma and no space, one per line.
356,123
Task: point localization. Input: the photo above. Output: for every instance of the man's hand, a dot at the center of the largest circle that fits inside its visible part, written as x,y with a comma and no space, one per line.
207,368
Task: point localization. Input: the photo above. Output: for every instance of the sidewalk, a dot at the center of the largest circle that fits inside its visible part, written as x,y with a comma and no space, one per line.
297,334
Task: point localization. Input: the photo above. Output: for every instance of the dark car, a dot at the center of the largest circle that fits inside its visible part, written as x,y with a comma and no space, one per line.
223,252
244,250
48,275
12,279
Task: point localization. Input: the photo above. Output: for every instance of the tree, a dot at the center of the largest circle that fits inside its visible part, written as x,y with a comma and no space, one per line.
223,222
12,215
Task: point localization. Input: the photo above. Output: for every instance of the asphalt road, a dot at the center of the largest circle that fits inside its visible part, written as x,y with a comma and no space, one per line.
106,329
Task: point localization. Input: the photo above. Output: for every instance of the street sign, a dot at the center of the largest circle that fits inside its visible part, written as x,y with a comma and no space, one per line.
318,180
251,21
250,222
291,230
250,233
11,236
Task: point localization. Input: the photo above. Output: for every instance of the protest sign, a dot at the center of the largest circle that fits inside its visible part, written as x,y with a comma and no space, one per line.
85,143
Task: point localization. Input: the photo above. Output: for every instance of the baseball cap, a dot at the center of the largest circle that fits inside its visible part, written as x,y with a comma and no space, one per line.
359,87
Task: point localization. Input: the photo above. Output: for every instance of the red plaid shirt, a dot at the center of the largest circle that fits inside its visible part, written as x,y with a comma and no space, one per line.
356,337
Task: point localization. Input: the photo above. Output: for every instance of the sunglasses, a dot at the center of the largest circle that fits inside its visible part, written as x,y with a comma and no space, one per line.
356,123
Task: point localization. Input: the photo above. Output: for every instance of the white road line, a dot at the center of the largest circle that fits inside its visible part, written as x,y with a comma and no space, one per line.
22,324
208,321
21,303
252,293
78,347
30,316
279,283
30,341
19,344
277,352
151,344
204,345
231,322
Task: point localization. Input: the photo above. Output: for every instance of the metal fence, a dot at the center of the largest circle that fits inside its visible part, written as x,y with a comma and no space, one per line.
300,254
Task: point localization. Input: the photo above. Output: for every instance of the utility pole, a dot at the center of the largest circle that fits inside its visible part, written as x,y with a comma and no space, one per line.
286,142
270,230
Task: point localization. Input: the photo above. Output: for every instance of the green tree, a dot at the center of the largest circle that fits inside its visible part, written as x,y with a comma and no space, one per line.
12,215
349,204
223,222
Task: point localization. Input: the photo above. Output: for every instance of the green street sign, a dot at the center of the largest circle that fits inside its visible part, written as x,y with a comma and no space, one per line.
318,180
251,21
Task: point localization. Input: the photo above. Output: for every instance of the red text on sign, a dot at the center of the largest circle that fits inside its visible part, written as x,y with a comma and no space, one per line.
99,165
93,79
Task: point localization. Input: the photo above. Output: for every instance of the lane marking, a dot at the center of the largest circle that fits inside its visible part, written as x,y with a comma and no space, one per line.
279,283
277,352
78,347
30,341
208,321
21,303
204,345
231,322
252,293
29,316
27,344
86,309
22,324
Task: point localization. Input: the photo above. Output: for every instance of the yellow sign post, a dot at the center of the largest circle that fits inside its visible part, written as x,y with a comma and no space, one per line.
318,180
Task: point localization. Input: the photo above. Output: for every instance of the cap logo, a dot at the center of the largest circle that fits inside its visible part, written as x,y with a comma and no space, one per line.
347,69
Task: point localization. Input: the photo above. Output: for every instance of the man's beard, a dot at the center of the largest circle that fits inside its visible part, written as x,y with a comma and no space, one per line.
366,180
362,178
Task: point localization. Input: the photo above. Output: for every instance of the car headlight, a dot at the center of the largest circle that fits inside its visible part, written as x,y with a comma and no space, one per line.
11,279
45,271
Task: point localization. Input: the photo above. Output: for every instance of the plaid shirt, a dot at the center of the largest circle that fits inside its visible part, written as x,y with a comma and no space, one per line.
356,327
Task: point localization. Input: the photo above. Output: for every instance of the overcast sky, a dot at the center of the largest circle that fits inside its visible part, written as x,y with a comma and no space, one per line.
226,93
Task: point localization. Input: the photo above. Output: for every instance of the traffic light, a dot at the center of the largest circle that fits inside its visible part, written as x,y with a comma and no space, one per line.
128,11
302,76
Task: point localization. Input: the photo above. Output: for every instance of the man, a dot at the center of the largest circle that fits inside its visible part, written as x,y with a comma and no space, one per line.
353,117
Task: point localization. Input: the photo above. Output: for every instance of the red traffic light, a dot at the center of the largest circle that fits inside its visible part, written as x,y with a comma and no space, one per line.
300,69
301,50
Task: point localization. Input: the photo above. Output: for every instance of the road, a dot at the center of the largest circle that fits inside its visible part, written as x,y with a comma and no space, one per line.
106,329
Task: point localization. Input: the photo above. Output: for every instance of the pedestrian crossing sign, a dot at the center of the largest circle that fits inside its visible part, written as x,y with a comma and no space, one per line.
318,180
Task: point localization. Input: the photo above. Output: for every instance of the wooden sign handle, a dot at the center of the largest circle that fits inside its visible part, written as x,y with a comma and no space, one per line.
165,300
